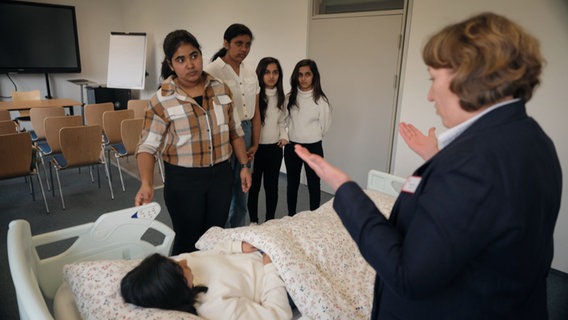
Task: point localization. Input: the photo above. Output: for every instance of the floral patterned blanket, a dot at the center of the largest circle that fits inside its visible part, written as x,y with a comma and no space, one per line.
323,270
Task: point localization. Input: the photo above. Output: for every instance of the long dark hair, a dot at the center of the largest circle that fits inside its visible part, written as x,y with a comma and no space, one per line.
263,100
172,42
234,30
158,282
294,82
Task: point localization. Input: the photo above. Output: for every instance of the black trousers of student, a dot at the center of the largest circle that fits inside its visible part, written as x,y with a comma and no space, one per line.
267,162
197,199
294,169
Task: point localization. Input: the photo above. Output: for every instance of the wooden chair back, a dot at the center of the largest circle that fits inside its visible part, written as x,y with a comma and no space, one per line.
54,124
26,95
139,107
94,112
5,115
38,115
16,157
8,126
112,121
130,130
81,145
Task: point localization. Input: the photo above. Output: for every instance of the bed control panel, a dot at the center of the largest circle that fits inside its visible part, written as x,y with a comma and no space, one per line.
149,212
107,223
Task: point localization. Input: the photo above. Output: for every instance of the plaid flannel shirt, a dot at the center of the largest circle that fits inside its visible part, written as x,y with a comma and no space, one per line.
188,134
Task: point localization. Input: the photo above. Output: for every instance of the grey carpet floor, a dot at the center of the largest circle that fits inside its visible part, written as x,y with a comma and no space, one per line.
86,202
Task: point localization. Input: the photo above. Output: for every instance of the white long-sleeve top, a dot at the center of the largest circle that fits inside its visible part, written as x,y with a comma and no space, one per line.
308,122
239,285
244,86
274,126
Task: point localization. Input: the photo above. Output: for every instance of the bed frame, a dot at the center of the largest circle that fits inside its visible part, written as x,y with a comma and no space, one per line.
115,235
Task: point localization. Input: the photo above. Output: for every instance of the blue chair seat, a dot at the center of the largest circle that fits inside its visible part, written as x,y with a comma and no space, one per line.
43,147
119,148
59,160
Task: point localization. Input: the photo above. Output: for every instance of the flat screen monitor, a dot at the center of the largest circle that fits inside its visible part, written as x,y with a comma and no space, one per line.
38,38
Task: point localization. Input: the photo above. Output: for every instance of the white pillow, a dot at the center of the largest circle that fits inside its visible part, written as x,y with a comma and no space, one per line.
96,289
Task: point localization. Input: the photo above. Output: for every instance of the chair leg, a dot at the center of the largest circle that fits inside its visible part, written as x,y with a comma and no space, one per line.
60,191
41,187
108,176
119,171
45,170
52,186
99,177
107,159
32,188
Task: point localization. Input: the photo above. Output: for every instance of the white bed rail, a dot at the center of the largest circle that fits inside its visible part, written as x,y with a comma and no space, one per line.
384,182
115,235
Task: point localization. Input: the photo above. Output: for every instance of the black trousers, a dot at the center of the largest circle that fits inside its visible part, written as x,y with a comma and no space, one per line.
197,199
294,169
267,161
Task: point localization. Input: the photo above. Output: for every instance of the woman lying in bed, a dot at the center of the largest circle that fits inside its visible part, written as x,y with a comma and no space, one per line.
234,278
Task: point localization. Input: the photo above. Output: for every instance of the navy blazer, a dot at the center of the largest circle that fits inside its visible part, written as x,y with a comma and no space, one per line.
475,239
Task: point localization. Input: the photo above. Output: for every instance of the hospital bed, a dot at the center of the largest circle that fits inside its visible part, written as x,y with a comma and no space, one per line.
324,273
115,235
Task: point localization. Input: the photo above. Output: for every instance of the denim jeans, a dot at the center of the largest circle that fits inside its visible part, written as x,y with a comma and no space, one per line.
238,209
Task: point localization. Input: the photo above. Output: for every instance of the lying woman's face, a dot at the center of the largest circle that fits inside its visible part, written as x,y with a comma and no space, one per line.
186,272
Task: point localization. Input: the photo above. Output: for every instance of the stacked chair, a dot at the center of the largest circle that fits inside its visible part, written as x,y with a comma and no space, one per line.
80,146
37,117
8,126
112,121
70,144
16,159
130,130
5,115
25,95
139,107
93,114
49,146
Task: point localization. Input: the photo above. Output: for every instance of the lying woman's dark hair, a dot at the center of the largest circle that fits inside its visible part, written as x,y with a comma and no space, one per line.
158,282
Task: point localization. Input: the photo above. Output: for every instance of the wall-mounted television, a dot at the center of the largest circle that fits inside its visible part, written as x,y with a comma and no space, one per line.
38,38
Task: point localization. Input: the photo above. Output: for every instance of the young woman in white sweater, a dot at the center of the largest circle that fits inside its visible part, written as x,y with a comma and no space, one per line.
234,280
273,137
308,120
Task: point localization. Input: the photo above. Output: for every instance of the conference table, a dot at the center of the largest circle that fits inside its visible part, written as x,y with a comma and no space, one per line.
12,105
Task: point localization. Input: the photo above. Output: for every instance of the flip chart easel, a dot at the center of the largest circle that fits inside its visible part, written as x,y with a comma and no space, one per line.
127,60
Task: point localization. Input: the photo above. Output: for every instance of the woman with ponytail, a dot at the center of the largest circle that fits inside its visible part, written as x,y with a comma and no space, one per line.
227,65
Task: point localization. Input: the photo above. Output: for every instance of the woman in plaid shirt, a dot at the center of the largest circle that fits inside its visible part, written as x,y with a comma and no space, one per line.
189,121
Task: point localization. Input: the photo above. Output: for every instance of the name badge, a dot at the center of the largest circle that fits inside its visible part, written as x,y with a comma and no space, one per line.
411,184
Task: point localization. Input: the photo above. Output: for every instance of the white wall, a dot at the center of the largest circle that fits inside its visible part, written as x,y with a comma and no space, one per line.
280,29
548,21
